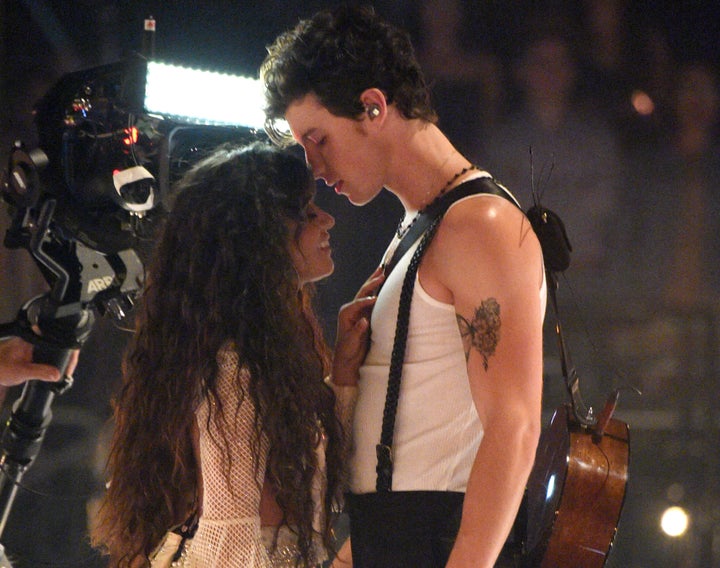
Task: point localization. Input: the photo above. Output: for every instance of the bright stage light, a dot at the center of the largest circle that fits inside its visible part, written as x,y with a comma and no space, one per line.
203,97
674,521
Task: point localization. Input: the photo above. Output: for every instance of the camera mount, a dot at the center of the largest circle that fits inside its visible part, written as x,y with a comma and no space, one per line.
86,204
82,282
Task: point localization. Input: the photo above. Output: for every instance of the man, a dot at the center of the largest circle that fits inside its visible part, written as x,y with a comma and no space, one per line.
468,417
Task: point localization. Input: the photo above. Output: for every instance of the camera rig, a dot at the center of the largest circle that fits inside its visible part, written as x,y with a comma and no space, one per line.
86,204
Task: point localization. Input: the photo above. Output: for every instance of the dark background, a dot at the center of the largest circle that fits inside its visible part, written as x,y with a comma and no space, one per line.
622,330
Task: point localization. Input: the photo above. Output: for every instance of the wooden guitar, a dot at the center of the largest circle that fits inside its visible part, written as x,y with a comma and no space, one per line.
576,490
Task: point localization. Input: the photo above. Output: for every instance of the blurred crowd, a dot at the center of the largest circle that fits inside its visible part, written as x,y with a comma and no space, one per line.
594,113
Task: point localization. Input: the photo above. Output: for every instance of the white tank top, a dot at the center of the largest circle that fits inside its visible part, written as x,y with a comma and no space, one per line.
437,428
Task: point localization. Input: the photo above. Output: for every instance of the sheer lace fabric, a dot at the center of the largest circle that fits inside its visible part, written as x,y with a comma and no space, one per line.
229,534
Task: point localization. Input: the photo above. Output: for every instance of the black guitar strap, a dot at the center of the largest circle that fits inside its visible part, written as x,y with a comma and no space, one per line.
426,224
438,209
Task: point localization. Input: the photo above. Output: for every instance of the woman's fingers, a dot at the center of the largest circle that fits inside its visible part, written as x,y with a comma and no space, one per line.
372,284
353,312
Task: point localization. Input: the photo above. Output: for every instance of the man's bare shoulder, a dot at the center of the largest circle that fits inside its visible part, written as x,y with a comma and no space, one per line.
484,246
488,223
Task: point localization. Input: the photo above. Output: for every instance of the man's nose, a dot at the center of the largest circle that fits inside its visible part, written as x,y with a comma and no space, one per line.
313,160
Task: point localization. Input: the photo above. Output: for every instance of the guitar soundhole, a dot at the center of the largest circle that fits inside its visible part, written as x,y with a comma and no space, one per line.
545,485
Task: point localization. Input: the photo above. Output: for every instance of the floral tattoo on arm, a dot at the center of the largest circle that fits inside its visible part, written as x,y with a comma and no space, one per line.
483,332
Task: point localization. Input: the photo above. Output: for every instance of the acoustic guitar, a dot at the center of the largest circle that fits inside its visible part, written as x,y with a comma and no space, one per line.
576,489
576,492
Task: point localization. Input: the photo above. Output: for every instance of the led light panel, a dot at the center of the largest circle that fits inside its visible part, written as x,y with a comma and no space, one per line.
203,97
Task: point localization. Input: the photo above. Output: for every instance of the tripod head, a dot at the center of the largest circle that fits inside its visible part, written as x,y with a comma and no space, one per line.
83,271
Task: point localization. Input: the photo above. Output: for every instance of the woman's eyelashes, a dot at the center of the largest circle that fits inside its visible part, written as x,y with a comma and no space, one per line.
311,212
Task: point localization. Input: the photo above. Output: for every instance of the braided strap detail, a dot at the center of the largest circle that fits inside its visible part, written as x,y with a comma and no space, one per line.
384,467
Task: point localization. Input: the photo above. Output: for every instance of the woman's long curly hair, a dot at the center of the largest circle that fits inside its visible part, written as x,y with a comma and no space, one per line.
222,275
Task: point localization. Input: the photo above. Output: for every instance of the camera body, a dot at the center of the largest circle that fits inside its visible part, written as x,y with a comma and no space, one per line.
88,200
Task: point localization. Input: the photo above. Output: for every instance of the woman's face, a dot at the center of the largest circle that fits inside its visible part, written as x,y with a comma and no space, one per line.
310,245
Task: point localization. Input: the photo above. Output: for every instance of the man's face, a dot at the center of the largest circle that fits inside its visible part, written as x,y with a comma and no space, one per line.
339,150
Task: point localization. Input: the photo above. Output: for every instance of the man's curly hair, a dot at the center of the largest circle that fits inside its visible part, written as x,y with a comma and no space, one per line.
337,55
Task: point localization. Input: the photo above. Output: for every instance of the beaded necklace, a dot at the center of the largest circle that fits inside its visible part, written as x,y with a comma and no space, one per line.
401,231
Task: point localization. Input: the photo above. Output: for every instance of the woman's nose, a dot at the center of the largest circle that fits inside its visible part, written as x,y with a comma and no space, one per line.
326,220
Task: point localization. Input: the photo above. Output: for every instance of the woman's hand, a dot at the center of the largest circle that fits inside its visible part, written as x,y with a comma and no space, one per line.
353,331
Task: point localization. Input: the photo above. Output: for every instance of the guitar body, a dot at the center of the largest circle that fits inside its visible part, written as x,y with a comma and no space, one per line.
575,493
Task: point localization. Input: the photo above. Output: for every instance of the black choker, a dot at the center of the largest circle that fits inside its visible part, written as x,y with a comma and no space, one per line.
401,231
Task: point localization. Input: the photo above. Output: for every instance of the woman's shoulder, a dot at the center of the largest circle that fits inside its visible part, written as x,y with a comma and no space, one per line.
227,355
229,365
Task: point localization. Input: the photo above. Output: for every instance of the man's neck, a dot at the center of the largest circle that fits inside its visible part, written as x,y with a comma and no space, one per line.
422,160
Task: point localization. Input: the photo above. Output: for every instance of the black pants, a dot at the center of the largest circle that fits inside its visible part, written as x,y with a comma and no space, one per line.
412,529
403,528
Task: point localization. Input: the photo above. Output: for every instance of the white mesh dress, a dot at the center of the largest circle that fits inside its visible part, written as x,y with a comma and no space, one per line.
229,533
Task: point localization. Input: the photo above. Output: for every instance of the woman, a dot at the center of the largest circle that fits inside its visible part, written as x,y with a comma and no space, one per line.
229,352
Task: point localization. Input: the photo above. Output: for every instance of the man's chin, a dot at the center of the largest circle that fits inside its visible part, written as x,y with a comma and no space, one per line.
357,198
358,202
